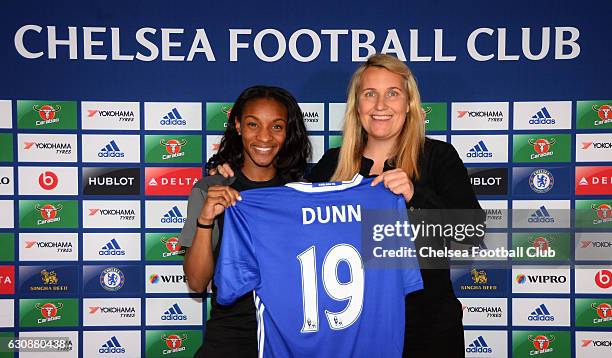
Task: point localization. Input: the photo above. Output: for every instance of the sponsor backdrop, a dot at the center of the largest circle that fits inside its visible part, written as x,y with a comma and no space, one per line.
107,112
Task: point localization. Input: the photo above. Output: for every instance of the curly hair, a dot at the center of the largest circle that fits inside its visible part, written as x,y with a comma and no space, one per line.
292,158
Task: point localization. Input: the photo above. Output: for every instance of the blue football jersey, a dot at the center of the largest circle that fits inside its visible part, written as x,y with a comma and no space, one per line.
297,247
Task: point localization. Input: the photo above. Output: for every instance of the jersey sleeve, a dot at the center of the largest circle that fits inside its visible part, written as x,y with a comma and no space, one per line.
237,270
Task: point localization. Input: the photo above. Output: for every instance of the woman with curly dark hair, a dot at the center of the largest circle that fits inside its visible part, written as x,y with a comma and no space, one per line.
266,144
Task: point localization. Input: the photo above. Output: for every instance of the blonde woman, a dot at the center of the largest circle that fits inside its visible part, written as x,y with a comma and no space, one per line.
384,136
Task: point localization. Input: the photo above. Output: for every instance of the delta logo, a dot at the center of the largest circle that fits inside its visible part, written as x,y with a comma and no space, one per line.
49,213
173,118
7,280
479,150
541,215
155,278
174,148
174,342
602,213
479,346
111,150
121,214
542,147
49,312
47,114
541,344
172,246
174,313
542,117
122,311
173,216
603,279
603,311
604,113
594,180
541,313
171,181
63,148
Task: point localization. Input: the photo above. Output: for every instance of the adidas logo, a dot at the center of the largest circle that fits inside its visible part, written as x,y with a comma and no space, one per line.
112,248
111,150
173,118
112,346
479,346
542,117
541,216
541,313
174,313
480,150
173,216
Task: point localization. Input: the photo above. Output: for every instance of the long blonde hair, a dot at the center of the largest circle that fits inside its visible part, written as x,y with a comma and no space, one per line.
410,141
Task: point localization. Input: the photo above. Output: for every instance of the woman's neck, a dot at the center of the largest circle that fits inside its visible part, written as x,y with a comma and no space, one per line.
379,152
258,173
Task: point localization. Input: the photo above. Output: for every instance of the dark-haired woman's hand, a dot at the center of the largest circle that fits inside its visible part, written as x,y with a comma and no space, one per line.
219,198
223,169
397,181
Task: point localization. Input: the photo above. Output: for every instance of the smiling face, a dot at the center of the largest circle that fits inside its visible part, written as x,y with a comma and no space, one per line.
383,103
263,130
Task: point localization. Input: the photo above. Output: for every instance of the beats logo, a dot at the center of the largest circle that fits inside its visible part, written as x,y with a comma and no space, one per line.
48,180
603,278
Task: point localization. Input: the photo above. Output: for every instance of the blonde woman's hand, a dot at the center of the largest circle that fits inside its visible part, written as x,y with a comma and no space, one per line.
397,181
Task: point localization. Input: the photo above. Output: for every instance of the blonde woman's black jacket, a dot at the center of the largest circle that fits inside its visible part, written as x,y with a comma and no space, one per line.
443,184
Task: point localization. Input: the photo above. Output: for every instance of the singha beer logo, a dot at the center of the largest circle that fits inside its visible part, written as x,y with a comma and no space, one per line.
49,278
173,147
174,343
479,276
541,344
604,113
604,312
173,246
542,147
49,213
47,114
49,312
603,212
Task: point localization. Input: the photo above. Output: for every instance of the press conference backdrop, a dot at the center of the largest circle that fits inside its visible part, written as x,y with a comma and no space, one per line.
108,110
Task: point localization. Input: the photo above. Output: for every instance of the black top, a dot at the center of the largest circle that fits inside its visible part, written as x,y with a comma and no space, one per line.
231,330
443,184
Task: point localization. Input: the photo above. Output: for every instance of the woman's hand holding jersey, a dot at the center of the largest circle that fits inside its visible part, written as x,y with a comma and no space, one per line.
397,181
218,199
